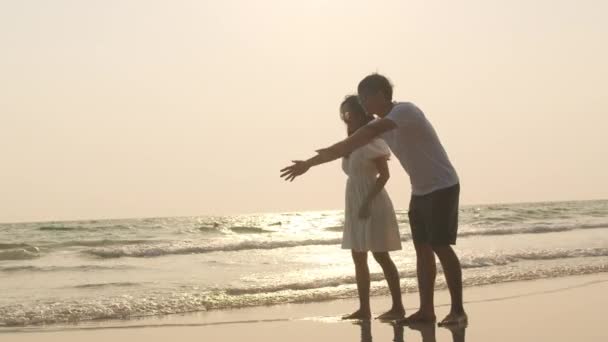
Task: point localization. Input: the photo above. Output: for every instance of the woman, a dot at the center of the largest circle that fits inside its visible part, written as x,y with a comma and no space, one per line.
370,223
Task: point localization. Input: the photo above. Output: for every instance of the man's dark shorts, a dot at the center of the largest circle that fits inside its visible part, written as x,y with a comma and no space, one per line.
434,216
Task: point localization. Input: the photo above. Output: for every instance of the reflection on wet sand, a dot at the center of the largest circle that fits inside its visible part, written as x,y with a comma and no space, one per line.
427,331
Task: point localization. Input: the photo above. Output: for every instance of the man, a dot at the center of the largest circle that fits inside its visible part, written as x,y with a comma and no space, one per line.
433,211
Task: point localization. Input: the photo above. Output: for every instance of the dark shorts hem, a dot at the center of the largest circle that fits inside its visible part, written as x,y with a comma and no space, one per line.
434,217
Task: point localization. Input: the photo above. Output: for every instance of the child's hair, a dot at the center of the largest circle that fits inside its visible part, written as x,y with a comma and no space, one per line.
374,83
355,108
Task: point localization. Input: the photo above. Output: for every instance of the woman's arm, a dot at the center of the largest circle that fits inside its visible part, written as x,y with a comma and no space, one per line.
384,175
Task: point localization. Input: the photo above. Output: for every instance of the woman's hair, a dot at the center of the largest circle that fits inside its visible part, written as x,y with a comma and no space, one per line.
354,108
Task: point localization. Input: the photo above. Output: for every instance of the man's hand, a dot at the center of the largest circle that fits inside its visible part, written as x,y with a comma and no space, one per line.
298,168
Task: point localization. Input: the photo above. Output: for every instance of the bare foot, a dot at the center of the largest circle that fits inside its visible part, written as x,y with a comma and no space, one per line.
455,318
359,314
392,315
419,317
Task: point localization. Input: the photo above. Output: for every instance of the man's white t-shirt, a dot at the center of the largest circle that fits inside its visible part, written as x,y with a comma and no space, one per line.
416,144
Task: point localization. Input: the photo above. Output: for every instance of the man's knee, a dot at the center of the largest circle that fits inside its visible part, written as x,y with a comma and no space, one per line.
423,248
442,249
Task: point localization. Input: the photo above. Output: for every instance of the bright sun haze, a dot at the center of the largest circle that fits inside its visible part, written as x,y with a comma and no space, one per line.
154,108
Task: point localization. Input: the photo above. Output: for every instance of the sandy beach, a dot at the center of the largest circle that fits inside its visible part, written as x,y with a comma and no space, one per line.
559,309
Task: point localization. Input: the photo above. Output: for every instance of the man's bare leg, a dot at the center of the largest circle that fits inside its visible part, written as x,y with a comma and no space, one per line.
426,271
453,276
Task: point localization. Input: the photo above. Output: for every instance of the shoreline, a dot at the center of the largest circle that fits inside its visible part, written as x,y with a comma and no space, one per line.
491,308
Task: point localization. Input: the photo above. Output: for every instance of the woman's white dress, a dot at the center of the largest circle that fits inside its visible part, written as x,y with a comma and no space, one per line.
379,232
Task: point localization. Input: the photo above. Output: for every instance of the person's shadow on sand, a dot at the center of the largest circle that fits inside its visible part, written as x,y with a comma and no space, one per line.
427,331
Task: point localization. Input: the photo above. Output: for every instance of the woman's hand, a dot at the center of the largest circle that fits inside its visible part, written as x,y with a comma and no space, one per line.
298,168
365,210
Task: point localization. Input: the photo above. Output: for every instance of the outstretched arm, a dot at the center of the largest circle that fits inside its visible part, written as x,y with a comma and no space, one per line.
299,167
361,137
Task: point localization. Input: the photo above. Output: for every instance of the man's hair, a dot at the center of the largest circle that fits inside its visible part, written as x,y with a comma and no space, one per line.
374,83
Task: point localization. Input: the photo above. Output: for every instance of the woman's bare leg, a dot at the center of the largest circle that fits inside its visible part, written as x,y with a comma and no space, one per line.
362,276
392,278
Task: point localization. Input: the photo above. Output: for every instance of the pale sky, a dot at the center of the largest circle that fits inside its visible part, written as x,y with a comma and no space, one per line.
117,109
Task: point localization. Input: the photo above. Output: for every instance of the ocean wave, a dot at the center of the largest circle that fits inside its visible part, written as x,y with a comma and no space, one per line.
80,268
313,284
466,263
236,229
14,245
249,230
499,260
99,285
46,245
209,228
20,254
59,228
334,228
180,249
145,304
86,228
98,243
160,249
536,229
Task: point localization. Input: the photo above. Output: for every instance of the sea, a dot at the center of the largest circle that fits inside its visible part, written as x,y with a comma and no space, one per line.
74,272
